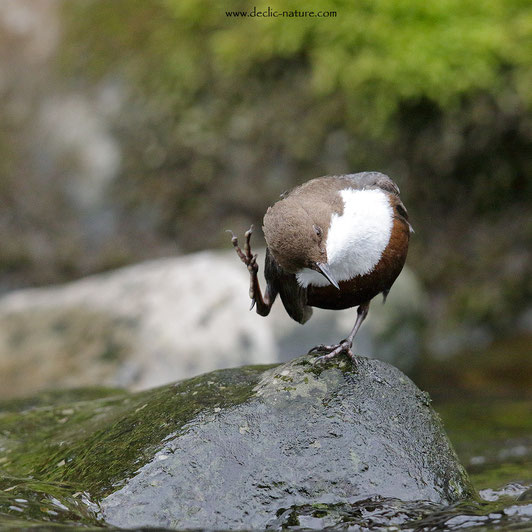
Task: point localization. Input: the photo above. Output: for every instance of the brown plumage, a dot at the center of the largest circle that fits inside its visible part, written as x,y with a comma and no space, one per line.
334,242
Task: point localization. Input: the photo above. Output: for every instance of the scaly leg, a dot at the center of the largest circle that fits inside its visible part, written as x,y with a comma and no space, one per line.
345,345
264,304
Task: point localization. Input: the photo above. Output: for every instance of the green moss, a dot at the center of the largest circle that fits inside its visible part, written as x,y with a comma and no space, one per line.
57,397
44,503
107,439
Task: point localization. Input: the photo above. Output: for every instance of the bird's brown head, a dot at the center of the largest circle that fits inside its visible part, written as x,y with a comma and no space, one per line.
296,235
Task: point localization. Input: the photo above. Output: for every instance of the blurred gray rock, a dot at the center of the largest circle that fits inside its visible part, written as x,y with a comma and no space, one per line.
155,322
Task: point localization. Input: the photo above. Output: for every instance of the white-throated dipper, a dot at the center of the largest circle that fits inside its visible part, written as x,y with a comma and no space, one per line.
334,242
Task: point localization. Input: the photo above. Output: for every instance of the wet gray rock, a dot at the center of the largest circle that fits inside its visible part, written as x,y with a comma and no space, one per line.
160,321
307,434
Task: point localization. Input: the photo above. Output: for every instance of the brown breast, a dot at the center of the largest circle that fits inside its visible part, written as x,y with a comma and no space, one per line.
363,288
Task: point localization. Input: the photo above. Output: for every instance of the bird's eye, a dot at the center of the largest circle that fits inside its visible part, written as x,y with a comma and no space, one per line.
318,230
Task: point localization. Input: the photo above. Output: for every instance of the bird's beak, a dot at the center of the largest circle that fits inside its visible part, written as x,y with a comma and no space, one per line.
324,269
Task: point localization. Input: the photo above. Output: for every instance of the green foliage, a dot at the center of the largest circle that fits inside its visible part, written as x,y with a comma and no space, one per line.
376,54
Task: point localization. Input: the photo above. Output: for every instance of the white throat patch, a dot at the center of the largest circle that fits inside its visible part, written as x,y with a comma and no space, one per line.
357,238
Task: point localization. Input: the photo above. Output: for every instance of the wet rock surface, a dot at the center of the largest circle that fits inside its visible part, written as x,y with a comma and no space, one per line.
232,449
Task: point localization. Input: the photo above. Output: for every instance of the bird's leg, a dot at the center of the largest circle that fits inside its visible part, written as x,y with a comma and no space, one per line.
264,304
345,345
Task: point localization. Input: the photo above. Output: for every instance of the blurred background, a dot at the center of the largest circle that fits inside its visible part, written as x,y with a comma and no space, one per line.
135,132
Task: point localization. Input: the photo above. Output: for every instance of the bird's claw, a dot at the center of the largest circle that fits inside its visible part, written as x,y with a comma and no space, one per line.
331,351
321,348
247,257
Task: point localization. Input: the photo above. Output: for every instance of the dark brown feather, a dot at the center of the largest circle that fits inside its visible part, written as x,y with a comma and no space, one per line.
285,284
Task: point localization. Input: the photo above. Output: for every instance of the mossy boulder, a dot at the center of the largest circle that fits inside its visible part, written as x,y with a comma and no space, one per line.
230,449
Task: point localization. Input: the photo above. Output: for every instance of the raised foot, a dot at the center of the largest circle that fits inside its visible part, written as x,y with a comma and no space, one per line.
331,351
248,259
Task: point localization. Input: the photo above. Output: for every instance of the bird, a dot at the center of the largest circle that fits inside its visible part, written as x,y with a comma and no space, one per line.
333,242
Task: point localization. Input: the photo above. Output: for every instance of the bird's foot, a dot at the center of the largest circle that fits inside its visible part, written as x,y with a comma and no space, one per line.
250,260
331,351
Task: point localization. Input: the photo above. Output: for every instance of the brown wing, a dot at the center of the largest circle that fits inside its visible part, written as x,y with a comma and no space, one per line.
293,296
